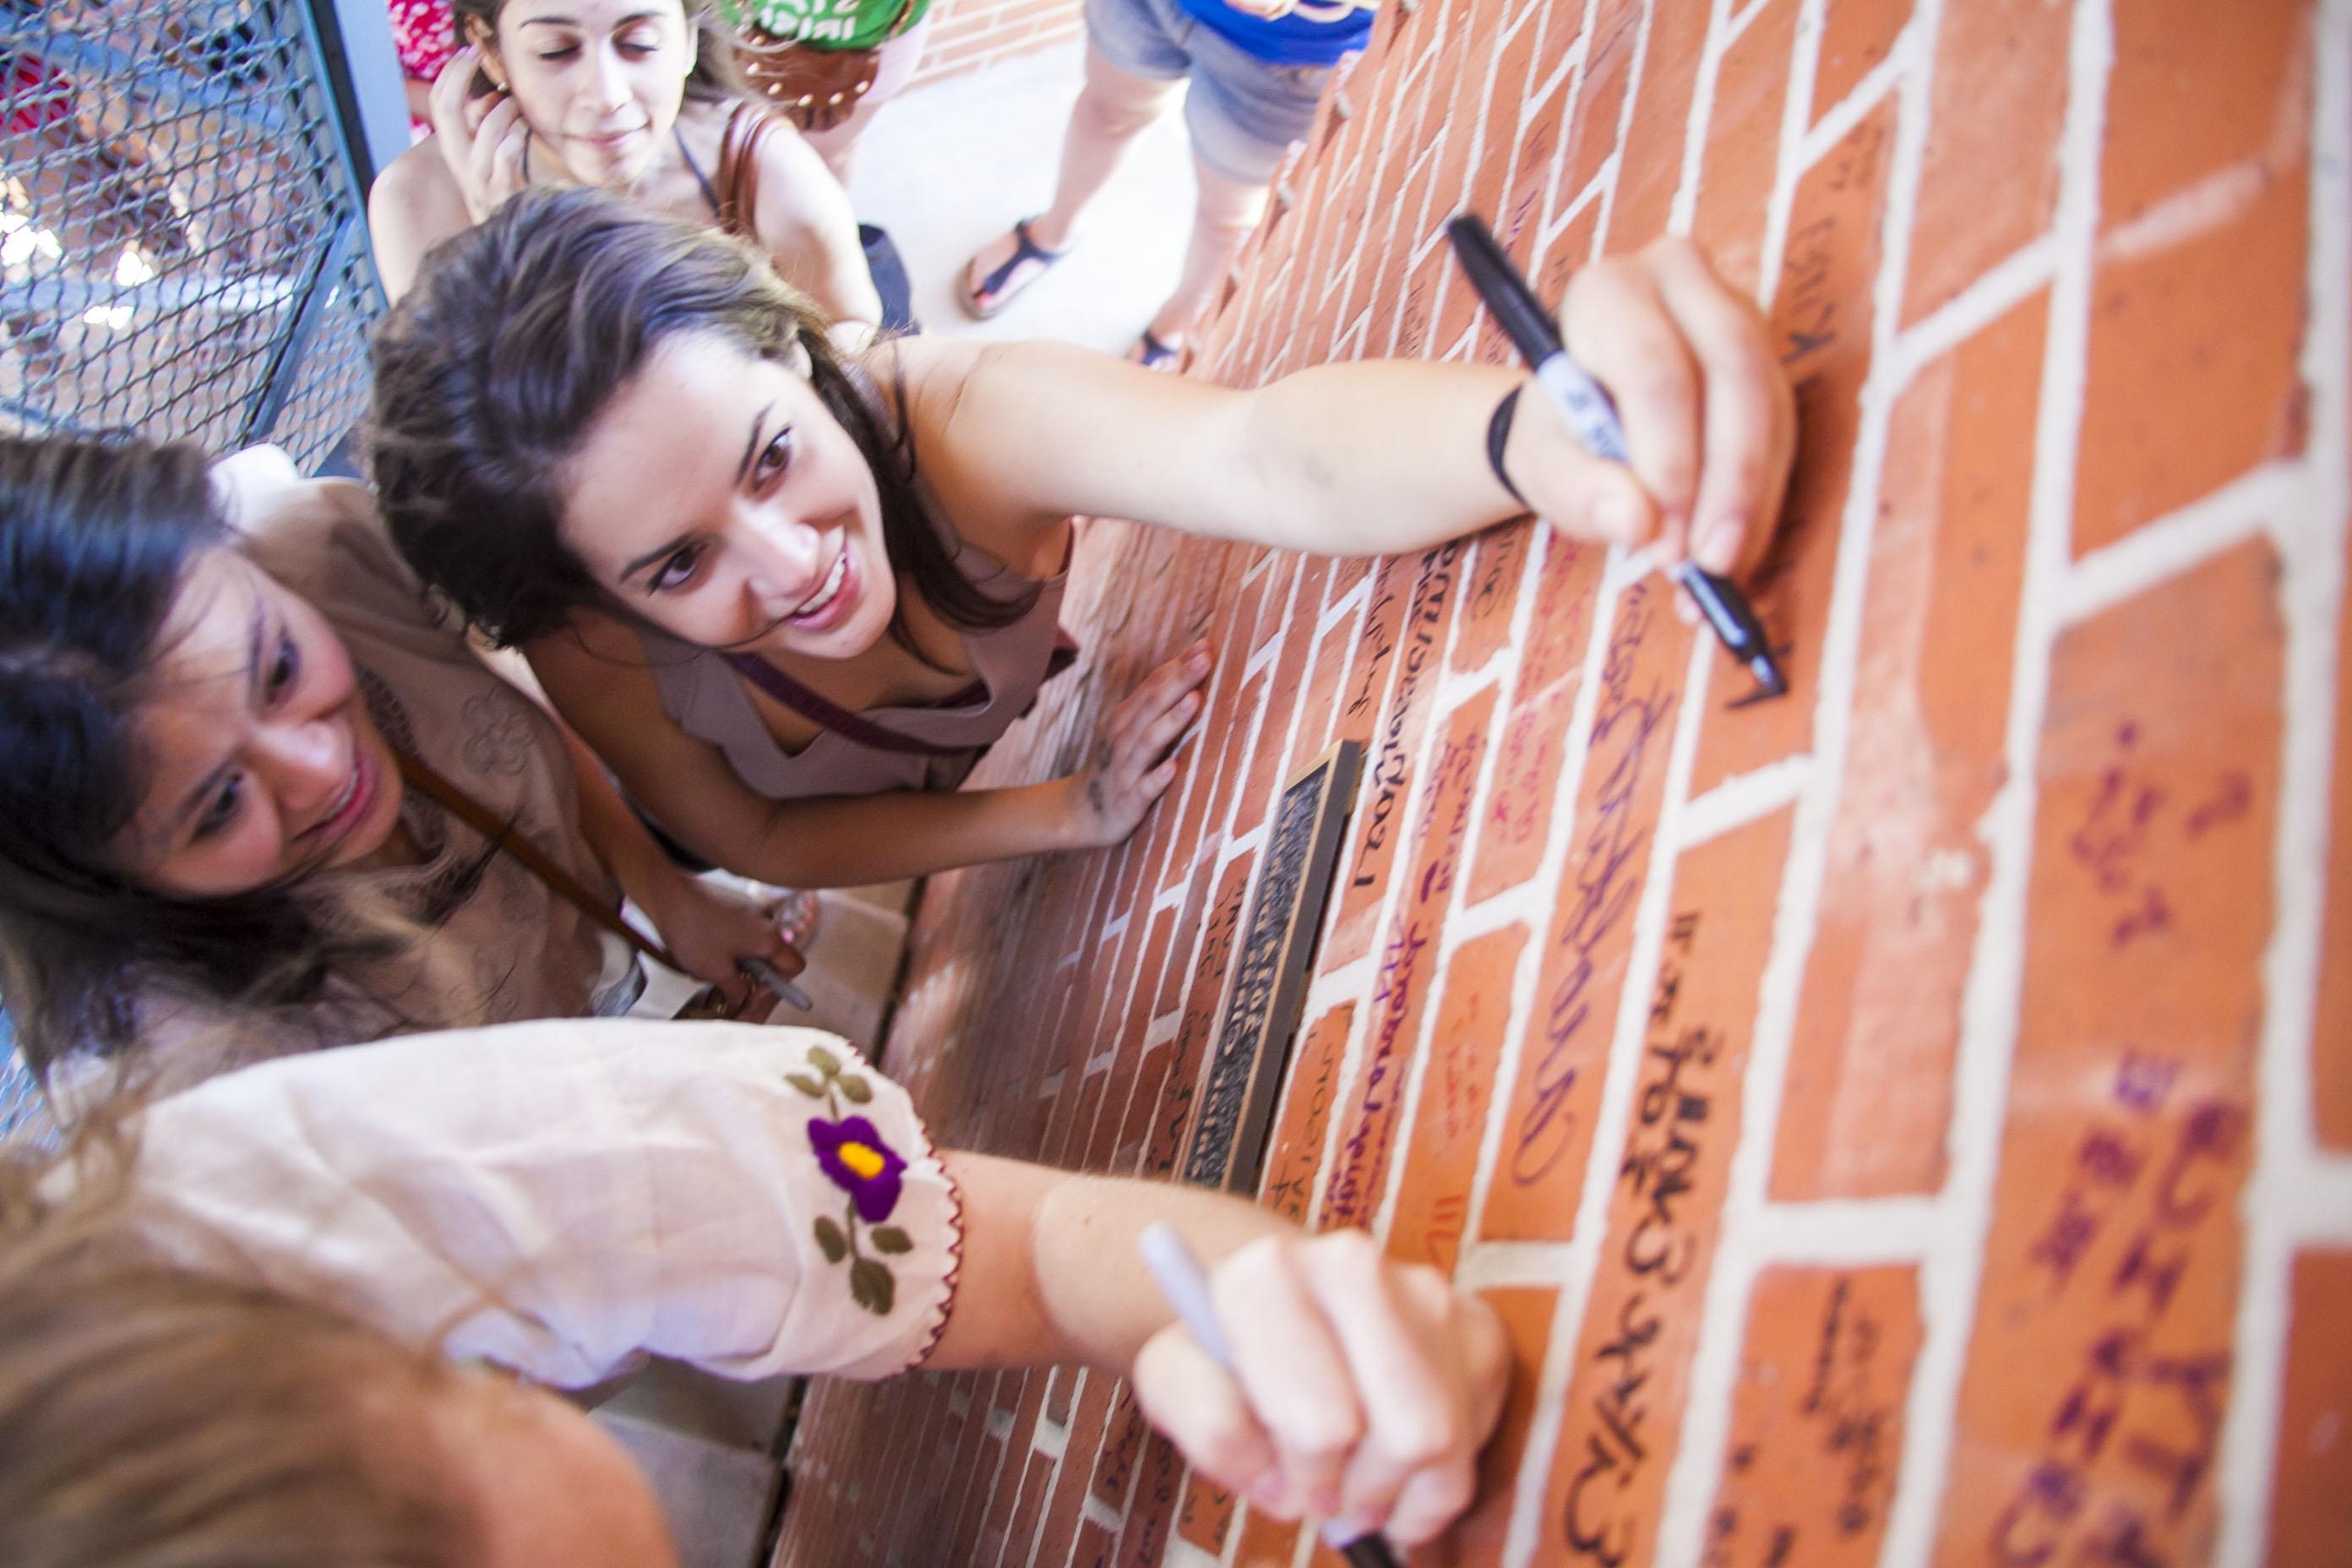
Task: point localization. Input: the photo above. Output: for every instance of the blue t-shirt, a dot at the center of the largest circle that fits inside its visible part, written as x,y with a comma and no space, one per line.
1315,34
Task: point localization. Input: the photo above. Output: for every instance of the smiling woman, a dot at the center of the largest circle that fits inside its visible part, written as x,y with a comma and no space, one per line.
213,682
790,597
636,97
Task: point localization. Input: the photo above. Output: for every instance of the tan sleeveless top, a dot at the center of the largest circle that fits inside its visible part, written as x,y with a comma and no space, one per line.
705,695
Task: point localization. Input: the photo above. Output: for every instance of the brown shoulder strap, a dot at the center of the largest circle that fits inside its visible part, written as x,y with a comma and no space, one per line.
738,170
451,797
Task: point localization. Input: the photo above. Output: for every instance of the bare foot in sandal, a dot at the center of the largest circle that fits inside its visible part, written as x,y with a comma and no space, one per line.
1007,265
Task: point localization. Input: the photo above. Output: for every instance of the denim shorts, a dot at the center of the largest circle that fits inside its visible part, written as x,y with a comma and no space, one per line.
1243,113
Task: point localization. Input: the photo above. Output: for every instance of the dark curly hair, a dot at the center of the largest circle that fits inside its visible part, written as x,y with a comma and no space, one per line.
517,335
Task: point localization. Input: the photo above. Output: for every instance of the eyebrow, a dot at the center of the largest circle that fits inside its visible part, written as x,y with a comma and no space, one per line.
190,802
630,20
742,471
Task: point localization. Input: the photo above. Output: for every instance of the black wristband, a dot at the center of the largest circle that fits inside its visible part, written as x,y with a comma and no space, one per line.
1498,435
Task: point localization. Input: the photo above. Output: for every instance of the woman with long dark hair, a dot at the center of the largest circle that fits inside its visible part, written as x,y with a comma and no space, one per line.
216,685
788,597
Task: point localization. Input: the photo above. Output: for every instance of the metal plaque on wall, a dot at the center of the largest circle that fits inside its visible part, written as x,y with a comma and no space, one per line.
1268,988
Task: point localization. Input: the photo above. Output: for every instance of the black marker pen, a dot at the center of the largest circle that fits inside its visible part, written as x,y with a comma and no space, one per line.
1586,406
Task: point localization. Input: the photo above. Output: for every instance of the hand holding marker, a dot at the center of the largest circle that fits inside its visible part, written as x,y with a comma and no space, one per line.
1593,418
1180,1280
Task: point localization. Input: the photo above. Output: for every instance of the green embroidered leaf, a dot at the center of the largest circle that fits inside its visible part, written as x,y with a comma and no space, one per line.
855,1089
829,1238
825,1061
871,1287
890,1239
805,1084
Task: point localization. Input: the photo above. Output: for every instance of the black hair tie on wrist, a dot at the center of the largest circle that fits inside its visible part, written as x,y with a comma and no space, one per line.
1498,435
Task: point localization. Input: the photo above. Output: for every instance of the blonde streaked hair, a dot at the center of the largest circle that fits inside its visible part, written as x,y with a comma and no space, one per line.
154,1417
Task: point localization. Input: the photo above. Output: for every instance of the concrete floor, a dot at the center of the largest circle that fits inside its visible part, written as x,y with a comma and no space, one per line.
948,167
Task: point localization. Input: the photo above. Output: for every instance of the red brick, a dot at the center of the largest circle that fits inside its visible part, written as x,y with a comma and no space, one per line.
1506,186
1094,1548
1651,169
1817,1418
1743,145
1153,1510
1319,709
2311,1495
2216,319
1266,1542
2331,1069
1367,676
1491,592
1821,319
1631,1375
1296,1150
1442,1155
1549,1129
1600,95
1476,1539
1856,37
2195,93
1869,1086
1124,1433
1016,1484
2112,1263
1205,1515
1989,182
1367,1131
1267,774
1517,816
1387,770
1029,1511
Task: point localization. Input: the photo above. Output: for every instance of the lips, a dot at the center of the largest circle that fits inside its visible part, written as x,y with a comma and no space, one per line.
351,807
833,597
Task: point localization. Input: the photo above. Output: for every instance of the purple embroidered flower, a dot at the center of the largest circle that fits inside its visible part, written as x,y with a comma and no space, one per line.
859,1163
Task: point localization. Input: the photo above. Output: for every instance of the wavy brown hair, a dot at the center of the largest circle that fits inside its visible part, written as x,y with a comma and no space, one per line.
519,333
152,1416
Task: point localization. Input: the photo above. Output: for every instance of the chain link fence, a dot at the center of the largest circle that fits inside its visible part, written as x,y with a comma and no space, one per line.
183,240
182,248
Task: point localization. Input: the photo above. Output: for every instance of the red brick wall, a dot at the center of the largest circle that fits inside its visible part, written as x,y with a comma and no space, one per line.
1969,1035
968,34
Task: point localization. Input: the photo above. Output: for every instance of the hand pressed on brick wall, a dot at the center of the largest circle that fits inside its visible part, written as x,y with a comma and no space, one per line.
1129,767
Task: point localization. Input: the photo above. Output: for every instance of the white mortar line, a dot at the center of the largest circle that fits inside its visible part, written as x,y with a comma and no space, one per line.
1863,97
2268,497
2000,289
1715,1362
1559,1356
1499,1265
1745,797
1607,175
2296,1193
1702,114
1796,104
1627,1035
1848,1232
1949,1280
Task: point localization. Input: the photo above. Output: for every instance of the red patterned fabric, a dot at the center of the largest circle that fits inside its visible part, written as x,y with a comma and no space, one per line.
425,34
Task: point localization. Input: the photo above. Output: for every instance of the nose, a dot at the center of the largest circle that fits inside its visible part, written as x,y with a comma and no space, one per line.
305,764
609,87
785,557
